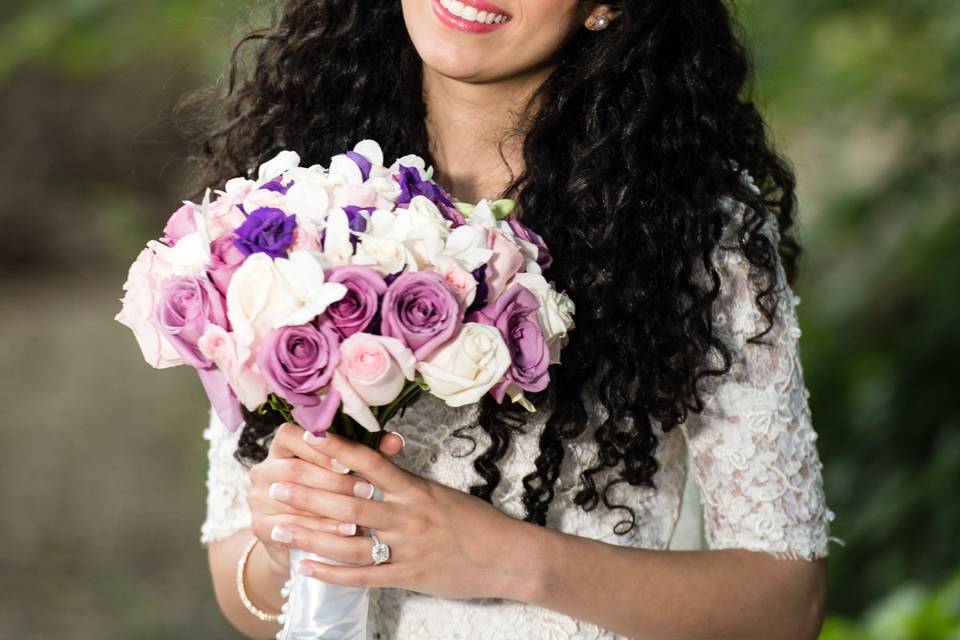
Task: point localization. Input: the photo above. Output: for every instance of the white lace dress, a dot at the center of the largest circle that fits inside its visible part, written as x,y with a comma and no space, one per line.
755,484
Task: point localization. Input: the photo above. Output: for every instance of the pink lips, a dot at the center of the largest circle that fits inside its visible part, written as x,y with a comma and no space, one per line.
468,26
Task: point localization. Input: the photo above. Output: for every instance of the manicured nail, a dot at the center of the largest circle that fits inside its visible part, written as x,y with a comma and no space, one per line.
279,492
347,529
304,569
363,489
337,466
403,440
281,534
311,438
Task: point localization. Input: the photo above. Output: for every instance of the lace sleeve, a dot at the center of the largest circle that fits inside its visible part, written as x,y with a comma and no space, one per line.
227,485
753,447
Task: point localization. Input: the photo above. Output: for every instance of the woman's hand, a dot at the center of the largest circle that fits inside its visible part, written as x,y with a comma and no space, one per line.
443,542
292,462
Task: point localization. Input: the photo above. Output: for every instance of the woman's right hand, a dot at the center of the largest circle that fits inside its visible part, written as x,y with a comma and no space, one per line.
293,461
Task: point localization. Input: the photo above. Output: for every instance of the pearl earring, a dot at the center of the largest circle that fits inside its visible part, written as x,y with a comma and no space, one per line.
599,23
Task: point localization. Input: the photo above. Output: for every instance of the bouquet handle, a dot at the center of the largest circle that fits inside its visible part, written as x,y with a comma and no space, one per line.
317,610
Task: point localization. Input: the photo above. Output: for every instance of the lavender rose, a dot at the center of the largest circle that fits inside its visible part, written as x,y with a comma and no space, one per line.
297,362
544,259
514,314
422,311
267,230
187,306
354,312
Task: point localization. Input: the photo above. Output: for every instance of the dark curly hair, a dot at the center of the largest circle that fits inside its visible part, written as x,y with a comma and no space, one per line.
640,130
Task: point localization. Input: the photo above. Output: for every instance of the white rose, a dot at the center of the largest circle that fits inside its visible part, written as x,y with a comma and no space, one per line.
555,312
384,255
422,228
464,369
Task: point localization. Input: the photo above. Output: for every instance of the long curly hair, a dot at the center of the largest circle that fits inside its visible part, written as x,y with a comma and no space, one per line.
640,131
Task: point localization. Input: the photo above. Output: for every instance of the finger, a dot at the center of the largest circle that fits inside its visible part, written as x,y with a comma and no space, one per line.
384,575
299,471
354,550
288,443
391,443
372,464
362,511
287,529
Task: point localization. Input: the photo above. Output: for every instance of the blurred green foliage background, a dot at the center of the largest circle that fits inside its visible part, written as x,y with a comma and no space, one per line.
102,478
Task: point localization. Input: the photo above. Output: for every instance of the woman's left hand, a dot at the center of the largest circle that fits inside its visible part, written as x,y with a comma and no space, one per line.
443,542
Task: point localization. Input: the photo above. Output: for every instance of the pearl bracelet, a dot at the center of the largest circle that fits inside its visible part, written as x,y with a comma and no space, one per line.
241,565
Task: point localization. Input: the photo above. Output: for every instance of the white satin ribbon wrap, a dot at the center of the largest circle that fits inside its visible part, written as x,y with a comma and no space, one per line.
319,610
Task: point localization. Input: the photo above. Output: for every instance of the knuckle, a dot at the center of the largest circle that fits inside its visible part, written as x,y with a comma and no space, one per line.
354,511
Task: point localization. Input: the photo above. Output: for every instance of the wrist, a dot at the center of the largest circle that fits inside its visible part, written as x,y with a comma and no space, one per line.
265,579
522,574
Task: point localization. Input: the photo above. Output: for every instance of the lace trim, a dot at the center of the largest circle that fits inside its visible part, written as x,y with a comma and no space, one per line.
227,485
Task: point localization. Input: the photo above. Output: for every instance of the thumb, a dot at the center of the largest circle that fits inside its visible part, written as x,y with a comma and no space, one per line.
391,443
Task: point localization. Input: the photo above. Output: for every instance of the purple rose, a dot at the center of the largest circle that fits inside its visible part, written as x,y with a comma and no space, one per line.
187,305
297,362
514,314
525,233
355,311
226,258
422,311
266,230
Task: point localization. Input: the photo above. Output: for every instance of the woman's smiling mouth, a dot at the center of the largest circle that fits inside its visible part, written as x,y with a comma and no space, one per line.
472,16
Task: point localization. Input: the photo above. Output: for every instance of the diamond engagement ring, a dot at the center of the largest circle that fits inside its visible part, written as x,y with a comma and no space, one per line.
380,552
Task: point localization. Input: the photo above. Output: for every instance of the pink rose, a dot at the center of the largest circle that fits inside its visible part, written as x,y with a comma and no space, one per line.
225,259
139,305
462,282
181,223
306,238
224,215
373,370
241,371
507,260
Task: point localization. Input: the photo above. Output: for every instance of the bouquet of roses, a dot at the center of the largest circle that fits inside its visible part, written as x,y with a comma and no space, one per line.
334,296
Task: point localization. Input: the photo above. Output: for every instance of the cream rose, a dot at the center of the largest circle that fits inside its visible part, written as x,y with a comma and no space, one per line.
139,302
464,369
266,294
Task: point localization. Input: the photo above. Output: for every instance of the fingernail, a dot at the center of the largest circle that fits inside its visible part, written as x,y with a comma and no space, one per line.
281,534
304,569
363,489
338,466
311,438
403,440
279,492
347,529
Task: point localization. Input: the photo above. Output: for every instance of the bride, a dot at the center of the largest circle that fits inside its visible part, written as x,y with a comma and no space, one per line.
625,134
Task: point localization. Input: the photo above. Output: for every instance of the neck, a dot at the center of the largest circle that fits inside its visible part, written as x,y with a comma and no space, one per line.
466,122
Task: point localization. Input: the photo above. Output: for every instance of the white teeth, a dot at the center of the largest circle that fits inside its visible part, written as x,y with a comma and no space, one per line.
467,12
